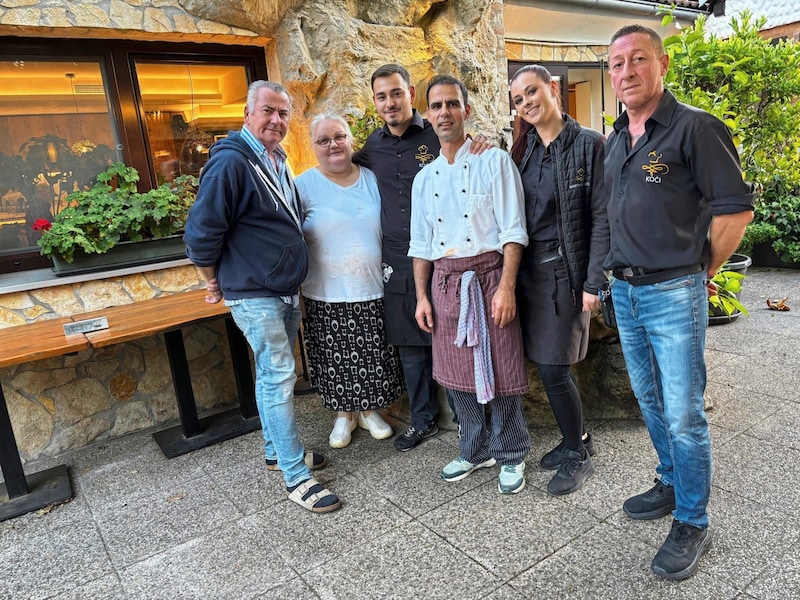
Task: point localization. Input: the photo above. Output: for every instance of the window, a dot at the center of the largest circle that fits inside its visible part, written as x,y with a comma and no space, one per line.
69,107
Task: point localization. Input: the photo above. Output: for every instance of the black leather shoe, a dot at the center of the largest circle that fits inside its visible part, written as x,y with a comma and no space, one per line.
553,459
680,553
656,502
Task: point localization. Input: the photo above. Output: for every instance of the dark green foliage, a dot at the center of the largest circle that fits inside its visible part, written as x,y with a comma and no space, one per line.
112,211
753,86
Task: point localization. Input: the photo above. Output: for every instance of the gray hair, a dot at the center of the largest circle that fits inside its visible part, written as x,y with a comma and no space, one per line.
329,116
258,85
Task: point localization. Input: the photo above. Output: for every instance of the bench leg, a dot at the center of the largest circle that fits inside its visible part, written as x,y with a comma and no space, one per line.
195,433
181,379
20,494
9,456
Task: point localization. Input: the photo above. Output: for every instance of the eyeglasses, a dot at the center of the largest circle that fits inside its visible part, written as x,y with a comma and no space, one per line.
339,138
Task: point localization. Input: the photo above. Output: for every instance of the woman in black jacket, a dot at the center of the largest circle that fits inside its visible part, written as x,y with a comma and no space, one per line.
561,164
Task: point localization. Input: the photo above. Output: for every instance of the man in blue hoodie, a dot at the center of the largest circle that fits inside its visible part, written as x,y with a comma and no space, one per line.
244,234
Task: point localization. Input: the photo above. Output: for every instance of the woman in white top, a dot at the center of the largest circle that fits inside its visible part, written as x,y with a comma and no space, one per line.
354,369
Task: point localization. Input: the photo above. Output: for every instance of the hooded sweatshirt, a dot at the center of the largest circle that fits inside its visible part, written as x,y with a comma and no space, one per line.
241,223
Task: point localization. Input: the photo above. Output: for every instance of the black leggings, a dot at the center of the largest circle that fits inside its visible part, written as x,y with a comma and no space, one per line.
565,400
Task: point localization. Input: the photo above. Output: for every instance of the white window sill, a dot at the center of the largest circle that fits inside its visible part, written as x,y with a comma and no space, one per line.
24,281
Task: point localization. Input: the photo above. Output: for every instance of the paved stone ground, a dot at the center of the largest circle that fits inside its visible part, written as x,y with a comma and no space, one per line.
216,525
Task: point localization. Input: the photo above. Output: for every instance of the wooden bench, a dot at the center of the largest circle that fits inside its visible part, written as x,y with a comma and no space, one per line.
167,315
25,343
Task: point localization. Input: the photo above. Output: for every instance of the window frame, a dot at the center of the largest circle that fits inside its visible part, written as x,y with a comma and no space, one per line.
117,57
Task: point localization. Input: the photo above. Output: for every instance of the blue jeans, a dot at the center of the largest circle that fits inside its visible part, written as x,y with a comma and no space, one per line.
662,328
270,326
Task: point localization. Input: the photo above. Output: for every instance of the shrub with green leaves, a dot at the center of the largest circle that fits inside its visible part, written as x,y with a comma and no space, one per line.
361,126
112,211
753,86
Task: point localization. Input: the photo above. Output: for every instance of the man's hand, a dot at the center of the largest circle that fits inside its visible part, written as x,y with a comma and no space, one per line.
504,307
480,143
213,293
591,302
424,315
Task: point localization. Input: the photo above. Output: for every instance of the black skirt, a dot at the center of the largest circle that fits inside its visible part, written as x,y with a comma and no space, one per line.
555,331
350,363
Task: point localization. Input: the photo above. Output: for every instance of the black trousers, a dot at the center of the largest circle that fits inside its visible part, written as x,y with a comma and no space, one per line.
417,363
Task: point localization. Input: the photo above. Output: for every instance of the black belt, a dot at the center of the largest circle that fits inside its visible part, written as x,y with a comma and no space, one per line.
642,276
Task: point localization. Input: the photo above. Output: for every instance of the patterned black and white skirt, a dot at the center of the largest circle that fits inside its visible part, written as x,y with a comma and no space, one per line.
350,362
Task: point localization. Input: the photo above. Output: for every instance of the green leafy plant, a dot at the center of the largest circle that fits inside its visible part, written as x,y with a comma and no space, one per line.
728,285
112,211
735,80
361,126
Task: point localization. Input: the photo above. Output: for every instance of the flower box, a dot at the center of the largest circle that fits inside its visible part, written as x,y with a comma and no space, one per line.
124,254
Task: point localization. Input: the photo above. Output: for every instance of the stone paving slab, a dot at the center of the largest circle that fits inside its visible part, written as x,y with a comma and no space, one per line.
215,524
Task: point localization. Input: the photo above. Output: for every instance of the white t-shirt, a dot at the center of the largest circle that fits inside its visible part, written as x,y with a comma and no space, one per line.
342,227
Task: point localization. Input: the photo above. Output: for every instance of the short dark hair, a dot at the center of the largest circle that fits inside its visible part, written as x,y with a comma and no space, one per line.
387,71
658,43
447,80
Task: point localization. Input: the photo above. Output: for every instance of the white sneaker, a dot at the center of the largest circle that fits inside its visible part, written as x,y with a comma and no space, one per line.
377,427
342,428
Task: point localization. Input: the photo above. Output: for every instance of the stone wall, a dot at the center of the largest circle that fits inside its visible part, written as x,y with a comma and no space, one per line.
324,52
65,402
549,53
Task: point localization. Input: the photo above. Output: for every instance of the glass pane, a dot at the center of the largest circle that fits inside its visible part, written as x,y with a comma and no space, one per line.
188,107
56,135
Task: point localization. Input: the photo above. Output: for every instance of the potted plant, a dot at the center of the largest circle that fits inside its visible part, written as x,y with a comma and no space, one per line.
103,225
724,306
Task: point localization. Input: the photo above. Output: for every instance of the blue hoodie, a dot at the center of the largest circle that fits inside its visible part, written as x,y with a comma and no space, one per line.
240,225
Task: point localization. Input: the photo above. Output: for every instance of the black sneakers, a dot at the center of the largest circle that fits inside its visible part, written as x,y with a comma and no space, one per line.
656,502
680,553
553,459
413,437
572,473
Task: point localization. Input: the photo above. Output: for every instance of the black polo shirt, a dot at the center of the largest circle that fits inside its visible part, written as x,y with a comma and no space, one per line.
663,193
395,162
538,181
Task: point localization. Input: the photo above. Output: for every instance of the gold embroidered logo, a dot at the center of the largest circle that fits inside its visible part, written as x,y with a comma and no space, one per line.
655,168
580,176
423,156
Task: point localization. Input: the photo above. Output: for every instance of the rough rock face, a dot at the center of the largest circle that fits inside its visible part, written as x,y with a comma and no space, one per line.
327,51
255,15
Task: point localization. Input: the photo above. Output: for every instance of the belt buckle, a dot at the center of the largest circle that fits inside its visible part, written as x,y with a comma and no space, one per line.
627,272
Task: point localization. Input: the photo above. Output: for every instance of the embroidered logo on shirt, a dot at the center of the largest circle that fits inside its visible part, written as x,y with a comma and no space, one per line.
580,179
655,168
387,272
423,156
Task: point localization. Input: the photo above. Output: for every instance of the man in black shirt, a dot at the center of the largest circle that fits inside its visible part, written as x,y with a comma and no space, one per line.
677,209
396,153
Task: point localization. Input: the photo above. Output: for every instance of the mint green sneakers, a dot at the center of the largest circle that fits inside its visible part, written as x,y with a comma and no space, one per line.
511,479
459,468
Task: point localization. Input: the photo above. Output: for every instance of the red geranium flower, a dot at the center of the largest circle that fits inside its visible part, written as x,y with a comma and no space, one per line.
41,225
